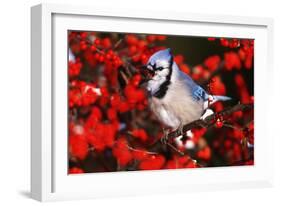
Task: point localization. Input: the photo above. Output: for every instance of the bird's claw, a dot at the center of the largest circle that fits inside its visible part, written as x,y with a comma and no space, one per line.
165,138
180,129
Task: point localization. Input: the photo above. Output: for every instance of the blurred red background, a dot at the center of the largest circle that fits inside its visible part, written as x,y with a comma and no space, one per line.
112,129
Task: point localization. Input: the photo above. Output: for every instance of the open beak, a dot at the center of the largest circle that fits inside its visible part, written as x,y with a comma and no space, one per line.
147,74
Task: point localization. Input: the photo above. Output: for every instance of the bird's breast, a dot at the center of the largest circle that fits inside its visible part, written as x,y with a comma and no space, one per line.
164,113
177,107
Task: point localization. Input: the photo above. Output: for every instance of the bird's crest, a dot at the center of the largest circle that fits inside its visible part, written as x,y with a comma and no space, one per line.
161,58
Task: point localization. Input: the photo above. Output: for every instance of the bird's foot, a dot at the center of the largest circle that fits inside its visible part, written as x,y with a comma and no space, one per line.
165,138
180,131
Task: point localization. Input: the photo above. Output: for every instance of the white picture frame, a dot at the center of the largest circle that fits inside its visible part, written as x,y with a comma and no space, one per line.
49,179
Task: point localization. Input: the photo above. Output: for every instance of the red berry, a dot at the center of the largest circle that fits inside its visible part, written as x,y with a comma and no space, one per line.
131,39
212,62
132,49
151,38
211,39
224,42
143,58
136,80
106,43
83,45
252,99
204,153
78,146
179,59
140,134
84,35
153,162
97,56
111,114
121,152
75,170
101,58
93,48
219,123
108,56
161,37
97,41
142,44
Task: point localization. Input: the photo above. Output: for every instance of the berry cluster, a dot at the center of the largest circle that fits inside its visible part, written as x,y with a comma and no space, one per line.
110,125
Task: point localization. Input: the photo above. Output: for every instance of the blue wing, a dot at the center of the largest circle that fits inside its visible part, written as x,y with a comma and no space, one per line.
198,93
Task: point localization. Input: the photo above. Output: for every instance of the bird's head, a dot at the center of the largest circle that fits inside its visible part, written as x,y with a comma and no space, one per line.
158,72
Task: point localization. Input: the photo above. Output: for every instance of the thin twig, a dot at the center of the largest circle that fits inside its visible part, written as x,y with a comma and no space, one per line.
138,150
174,148
124,77
117,43
232,126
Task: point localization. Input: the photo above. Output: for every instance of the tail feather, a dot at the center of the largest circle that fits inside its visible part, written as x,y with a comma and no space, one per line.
214,99
220,98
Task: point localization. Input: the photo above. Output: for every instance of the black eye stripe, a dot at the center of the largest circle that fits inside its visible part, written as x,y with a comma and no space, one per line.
156,68
159,68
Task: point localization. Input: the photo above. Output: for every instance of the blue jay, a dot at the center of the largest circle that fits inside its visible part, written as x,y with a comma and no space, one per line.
174,97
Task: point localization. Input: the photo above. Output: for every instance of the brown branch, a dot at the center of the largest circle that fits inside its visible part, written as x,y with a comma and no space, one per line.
226,124
210,120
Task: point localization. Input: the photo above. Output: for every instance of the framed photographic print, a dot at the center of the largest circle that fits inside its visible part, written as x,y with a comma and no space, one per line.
135,102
